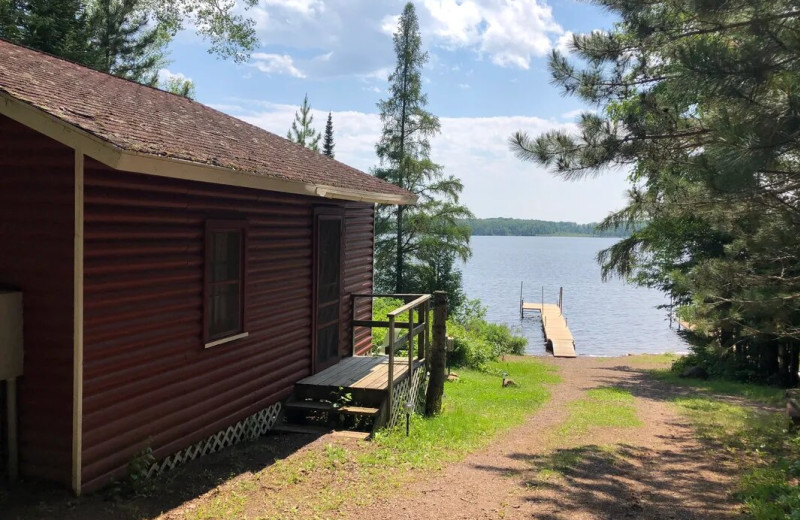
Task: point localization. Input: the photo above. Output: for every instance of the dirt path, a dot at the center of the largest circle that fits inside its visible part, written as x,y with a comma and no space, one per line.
654,471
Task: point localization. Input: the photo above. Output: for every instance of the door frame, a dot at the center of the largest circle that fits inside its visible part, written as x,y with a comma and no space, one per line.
325,213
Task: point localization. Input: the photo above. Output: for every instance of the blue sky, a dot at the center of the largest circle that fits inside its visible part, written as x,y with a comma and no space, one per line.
487,77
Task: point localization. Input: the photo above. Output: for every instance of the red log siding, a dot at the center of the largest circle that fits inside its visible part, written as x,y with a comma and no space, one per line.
36,232
148,381
359,244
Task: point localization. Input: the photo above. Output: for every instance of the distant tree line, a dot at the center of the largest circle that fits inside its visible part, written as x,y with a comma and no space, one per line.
530,228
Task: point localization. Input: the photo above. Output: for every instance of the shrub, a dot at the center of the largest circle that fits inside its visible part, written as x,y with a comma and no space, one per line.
476,341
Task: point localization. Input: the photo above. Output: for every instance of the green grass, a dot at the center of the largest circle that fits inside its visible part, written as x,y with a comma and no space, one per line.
602,407
762,442
316,483
759,393
476,408
560,462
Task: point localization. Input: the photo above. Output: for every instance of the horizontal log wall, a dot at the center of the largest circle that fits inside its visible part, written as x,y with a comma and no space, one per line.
36,232
148,381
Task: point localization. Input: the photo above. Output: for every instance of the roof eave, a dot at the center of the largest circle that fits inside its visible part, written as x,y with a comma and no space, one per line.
137,162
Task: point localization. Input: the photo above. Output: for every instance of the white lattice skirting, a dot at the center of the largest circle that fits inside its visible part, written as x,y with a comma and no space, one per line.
405,392
247,429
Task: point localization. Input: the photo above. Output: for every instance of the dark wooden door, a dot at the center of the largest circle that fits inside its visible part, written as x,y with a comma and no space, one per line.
328,229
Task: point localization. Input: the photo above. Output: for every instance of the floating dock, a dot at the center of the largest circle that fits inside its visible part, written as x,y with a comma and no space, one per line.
557,336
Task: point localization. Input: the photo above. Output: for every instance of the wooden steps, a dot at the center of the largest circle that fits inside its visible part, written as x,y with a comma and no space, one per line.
309,429
556,332
323,406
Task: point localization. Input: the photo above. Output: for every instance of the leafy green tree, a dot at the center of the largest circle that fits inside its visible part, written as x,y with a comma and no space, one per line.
126,35
179,86
415,244
327,143
699,102
301,132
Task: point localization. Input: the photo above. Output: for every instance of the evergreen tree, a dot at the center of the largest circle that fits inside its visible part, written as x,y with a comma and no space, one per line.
412,241
128,44
301,132
58,27
327,143
700,101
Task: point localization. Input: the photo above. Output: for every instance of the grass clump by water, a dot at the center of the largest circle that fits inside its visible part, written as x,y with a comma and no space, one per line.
602,407
762,442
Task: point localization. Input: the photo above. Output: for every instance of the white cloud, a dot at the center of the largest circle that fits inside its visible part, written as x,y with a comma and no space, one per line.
572,114
355,34
564,43
510,32
389,24
276,64
464,85
476,150
305,7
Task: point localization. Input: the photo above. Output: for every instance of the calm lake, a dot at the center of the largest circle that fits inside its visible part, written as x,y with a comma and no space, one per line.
606,318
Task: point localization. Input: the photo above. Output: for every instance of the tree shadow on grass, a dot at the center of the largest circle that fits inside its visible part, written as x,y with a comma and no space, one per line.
681,479
28,500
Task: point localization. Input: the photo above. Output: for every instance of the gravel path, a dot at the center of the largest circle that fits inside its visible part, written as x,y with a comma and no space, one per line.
655,471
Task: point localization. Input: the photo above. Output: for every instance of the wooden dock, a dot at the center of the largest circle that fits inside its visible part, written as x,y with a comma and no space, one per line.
556,332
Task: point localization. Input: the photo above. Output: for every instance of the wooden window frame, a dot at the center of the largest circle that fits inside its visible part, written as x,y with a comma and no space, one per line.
211,227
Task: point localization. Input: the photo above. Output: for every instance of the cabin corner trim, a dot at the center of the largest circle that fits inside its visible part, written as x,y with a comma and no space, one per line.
77,347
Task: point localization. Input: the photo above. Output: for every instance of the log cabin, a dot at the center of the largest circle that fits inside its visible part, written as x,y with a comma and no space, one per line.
179,271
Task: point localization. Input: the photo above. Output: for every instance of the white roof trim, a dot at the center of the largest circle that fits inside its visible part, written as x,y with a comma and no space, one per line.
137,162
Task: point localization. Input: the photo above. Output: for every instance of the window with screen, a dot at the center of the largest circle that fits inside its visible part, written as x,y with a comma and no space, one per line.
224,288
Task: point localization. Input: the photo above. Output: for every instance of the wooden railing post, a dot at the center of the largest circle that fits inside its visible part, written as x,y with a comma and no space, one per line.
423,341
391,366
353,327
433,398
410,343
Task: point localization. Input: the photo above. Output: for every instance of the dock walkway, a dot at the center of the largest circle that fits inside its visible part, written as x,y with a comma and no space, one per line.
556,331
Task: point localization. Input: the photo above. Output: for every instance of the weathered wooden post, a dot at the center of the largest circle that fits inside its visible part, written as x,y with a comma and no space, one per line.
433,399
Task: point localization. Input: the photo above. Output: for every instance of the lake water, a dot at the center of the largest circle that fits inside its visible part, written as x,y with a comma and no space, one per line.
606,318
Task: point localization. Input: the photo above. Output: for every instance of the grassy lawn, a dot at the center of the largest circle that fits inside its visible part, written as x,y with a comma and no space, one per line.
762,394
763,442
602,407
319,481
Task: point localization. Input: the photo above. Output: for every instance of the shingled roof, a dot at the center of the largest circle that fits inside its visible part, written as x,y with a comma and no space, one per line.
127,125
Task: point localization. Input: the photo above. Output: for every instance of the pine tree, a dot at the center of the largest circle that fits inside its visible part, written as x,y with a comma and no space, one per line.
128,44
410,240
301,132
327,143
58,27
699,101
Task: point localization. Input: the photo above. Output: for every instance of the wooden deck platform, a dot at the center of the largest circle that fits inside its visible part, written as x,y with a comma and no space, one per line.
361,373
556,331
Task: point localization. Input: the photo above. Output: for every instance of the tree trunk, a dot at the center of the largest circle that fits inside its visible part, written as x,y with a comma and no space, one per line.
433,398
398,268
